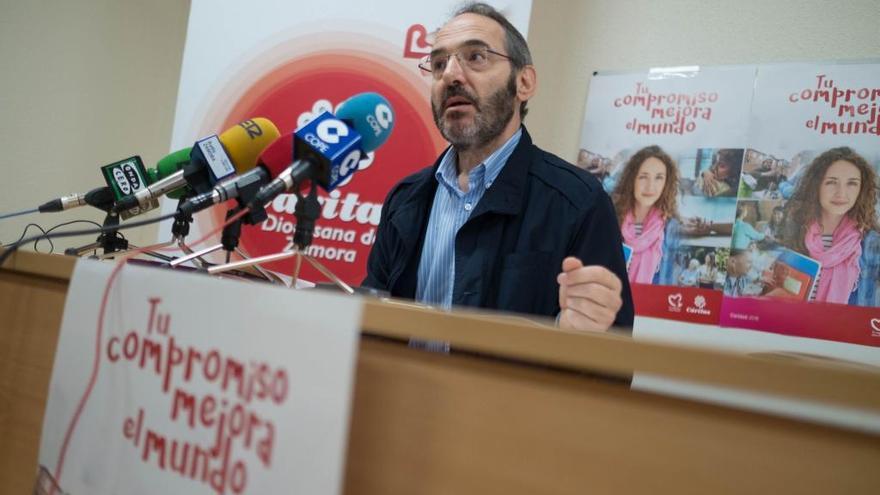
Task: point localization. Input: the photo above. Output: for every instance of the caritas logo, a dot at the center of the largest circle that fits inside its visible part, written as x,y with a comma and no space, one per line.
875,327
674,301
699,307
304,87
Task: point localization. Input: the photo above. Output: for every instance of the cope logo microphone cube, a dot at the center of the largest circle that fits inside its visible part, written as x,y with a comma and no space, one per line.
330,144
127,177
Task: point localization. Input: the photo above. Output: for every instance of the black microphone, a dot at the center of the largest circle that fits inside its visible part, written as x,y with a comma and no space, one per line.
99,197
237,187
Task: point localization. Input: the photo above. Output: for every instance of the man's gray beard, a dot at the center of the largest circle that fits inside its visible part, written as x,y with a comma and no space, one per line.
488,124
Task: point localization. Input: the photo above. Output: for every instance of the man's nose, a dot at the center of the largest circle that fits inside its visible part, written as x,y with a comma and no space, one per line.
453,70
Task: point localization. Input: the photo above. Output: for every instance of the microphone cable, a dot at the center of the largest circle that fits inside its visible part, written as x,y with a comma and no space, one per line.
74,233
46,231
18,213
24,233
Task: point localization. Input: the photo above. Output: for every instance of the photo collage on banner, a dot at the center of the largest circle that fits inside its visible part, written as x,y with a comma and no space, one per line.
805,252
668,147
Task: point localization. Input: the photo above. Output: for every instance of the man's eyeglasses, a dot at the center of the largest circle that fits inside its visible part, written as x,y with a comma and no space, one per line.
474,58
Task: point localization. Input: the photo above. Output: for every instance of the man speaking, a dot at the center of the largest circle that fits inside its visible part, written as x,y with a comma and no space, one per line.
497,222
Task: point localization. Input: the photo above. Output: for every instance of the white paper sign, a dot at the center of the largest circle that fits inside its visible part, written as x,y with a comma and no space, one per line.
190,384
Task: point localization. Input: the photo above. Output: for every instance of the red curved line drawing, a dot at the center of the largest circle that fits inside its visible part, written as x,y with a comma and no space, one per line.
93,378
59,468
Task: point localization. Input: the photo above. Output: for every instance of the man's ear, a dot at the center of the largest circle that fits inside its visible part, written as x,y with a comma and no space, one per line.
526,83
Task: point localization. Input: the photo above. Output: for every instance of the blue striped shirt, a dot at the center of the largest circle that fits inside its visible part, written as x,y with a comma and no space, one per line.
451,209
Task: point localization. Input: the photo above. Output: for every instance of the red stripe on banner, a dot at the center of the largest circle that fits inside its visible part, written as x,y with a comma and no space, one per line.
826,321
688,304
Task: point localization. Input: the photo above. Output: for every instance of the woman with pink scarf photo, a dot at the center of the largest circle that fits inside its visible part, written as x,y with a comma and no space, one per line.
645,200
831,217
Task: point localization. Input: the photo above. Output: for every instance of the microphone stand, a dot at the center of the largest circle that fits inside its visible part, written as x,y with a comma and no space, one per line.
110,241
307,210
179,231
229,240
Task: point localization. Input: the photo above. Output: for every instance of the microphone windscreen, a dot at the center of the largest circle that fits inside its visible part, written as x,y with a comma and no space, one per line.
278,155
171,163
371,115
101,198
245,141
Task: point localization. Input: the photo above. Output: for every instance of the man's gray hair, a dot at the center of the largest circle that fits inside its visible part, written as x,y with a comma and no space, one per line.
515,44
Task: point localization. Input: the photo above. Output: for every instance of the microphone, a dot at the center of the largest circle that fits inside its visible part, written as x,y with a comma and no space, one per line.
169,164
103,198
211,160
272,161
126,177
99,197
328,149
122,177
368,113
371,115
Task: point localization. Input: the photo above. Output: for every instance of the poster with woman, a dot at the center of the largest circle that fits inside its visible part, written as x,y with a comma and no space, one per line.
668,146
805,245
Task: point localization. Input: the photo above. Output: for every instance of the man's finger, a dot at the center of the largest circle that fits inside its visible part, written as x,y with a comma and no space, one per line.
595,292
563,290
571,263
573,320
597,313
594,274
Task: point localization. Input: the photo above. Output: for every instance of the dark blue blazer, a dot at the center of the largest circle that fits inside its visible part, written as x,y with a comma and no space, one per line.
539,210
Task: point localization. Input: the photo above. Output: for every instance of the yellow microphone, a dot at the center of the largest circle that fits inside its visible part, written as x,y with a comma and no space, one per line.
245,141
212,159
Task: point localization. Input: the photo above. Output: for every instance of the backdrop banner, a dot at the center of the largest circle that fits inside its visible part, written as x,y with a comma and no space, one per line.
277,60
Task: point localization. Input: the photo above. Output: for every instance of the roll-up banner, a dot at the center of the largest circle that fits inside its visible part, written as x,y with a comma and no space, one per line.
280,61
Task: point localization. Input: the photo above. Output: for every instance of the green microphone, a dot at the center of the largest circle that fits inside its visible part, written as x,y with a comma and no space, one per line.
168,165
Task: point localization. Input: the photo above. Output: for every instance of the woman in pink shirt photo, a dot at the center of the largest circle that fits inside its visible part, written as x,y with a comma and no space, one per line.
831,217
645,200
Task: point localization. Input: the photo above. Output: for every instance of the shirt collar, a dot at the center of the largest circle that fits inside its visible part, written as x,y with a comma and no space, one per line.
484,174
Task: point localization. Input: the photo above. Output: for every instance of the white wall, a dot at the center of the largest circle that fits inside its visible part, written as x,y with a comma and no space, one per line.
570,39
